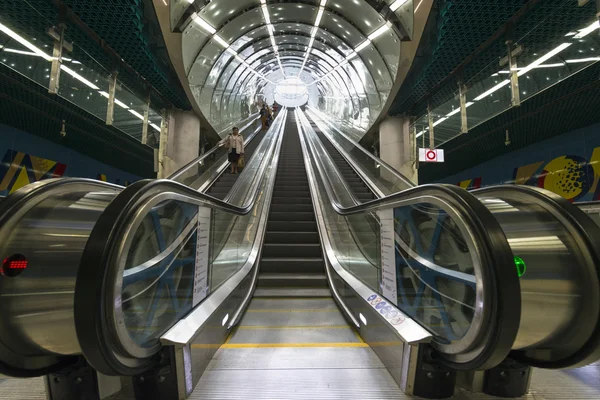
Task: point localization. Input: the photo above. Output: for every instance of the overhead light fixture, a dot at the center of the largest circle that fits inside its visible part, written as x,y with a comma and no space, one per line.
137,114
319,16
492,90
205,25
155,127
379,32
221,41
323,2
439,121
543,59
582,60
271,29
397,4
586,31
265,11
362,45
351,55
24,42
117,101
231,51
457,110
78,77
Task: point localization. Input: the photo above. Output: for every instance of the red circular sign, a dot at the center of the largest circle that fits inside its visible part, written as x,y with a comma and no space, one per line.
431,155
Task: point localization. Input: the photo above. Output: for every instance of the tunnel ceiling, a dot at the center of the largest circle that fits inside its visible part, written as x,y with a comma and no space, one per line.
344,52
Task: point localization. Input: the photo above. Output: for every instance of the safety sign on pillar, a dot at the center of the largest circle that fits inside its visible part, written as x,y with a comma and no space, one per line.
431,155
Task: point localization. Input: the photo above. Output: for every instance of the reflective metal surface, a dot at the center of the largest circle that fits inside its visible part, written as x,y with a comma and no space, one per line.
49,223
559,273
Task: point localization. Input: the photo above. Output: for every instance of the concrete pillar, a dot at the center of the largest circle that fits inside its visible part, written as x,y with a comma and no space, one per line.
397,147
180,143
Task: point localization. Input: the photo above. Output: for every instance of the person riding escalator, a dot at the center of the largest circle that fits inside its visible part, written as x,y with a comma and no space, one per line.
235,143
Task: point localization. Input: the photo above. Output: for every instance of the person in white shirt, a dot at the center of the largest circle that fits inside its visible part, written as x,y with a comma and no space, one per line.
235,143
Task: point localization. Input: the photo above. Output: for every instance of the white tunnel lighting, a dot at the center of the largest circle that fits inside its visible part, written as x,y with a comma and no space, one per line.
155,127
439,121
271,29
586,31
265,11
379,32
205,25
352,55
323,3
221,41
362,45
397,4
582,60
457,110
543,59
24,42
319,16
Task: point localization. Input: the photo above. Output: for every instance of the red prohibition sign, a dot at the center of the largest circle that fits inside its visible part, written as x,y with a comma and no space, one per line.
431,155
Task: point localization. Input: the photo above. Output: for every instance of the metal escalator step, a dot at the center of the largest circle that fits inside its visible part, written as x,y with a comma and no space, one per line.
292,280
291,292
291,200
290,193
291,250
292,208
283,237
292,226
292,216
292,265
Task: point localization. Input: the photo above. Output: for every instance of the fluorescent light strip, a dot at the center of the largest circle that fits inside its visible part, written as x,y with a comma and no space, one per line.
586,31
544,58
439,121
582,60
362,45
137,114
397,4
352,55
155,127
379,32
205,25
319,16
457,110
265,11
221,41
323,2
492,90
117,101
24,42
78,77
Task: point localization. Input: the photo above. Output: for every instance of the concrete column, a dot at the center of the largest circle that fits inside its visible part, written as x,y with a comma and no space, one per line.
397,147
181,144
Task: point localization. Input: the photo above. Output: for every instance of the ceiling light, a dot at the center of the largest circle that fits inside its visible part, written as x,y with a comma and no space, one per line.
319,16
221,41
586,31
397,4
78,77
137,114
265,11
231,51
439,121
543,58
18,38
351,56
205,25
155,127
492,90
271,29
582,60
362,45
323,2
379,32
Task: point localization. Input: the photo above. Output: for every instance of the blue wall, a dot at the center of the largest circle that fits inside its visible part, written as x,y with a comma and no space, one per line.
25,155
568,164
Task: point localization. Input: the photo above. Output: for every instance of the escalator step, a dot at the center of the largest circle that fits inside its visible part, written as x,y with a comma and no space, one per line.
292,216
284,237
292,280
291,250
292,226
292,265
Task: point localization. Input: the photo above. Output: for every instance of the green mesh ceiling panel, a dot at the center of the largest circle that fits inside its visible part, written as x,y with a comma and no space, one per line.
29,107
129,27
462,26
569,105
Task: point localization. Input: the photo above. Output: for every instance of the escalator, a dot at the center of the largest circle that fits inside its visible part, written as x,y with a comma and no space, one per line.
277,281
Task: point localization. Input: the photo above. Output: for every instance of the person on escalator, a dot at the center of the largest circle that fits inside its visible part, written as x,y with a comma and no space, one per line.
264,115
235,143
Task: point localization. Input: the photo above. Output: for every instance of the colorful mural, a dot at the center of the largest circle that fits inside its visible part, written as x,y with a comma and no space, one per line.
27,158
19,169
568,165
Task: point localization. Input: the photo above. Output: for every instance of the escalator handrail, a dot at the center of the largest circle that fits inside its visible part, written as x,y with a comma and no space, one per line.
378,160
502,289
588,233
104,243
219,145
